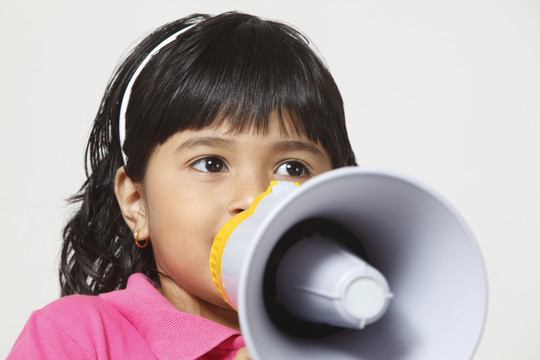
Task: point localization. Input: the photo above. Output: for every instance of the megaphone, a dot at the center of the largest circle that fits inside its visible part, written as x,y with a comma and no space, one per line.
352,264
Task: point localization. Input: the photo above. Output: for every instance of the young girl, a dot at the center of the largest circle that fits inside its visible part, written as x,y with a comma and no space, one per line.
194,124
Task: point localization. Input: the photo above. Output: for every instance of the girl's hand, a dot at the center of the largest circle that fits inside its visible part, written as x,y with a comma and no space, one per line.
242,354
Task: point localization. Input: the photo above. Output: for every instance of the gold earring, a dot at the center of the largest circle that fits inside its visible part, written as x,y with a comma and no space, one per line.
142,244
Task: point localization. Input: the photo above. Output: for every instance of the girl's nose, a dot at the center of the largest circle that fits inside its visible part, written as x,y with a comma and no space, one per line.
245,191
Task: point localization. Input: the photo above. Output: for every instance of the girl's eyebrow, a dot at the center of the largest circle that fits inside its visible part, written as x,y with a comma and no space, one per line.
204,141
294,145
280,146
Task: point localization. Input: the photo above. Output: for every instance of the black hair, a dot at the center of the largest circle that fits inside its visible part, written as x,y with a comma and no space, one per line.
232,68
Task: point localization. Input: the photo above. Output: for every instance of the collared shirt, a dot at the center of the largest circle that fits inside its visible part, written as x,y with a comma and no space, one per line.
134,323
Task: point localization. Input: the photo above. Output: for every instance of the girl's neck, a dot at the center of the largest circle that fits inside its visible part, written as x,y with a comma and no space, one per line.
189,303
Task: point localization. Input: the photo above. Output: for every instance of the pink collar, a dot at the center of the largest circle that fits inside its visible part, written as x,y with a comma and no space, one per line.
171,334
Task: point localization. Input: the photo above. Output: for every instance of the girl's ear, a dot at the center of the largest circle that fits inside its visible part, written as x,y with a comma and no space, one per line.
130,199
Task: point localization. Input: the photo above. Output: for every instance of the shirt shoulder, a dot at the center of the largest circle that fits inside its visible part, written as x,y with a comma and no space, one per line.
81,327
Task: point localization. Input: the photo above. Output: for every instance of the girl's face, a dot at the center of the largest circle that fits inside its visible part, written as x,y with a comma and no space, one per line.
195,182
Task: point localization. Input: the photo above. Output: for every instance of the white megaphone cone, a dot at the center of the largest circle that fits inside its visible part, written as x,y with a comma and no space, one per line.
353,264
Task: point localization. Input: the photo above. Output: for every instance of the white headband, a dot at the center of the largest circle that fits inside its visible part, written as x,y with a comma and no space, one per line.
127,93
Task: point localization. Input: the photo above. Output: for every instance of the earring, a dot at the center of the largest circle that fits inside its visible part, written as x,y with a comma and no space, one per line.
142,243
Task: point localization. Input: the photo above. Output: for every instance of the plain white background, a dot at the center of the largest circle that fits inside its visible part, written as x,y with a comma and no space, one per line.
445,91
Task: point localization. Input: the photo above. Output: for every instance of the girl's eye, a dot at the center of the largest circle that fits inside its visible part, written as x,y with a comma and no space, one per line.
292,168
210,164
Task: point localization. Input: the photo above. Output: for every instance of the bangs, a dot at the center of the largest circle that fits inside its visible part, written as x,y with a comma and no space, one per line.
237,71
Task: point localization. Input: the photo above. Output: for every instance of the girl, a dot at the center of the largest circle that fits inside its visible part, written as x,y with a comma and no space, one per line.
194,124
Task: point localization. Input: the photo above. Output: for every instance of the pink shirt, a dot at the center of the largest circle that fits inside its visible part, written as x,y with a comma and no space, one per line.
134,323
